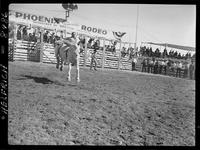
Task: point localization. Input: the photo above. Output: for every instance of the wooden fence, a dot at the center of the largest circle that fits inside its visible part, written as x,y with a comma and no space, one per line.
30,51
24,51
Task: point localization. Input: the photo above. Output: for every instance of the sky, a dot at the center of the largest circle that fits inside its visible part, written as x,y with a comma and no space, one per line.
174,24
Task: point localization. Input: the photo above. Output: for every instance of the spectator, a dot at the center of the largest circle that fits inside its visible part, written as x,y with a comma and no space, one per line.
96,44
175,68
38,34
186,56
147,52
56,38
113,47
179,56
19,33
144,65
30,39
93,57
156,67
178,70
130,52
157,53
194,55
183,56
49,36
134,61
25,33
172,55
175,54
150,65
171,68
34,38
165,53
52,38
30,30
61,34
142,50
123,52
45,36
160,67
165,66
189,55
161,64
185,69
89,44
191,70
150,52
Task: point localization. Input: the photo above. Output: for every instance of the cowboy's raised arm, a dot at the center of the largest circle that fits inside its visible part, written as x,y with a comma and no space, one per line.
69,41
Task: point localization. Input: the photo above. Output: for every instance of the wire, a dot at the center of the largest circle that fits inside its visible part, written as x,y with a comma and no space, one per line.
151,35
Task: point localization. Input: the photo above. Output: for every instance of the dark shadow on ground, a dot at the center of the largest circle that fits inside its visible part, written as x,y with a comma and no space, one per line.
72,84
39,79
42,80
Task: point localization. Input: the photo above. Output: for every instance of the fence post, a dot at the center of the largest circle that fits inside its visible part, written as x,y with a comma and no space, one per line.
85,52
119,60
103,54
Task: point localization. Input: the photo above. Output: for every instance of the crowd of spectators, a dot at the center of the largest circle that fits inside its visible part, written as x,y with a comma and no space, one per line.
27,33
33,34
128,51
146,51
30,34
169,67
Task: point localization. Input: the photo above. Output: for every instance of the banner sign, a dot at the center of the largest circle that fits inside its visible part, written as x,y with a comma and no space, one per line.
61,24
95,31
45,22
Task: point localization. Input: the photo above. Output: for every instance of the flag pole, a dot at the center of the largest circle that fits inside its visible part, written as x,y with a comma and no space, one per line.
136,27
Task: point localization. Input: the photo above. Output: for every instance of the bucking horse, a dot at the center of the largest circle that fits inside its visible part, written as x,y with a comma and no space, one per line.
68,51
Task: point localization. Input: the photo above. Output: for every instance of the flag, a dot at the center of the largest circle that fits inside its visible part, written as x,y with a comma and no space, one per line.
118,35
59,20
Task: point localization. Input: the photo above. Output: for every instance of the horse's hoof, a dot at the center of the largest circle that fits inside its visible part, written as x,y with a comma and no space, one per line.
78,80
57,67
61,69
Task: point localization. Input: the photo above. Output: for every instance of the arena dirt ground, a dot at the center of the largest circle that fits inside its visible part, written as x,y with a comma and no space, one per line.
107,107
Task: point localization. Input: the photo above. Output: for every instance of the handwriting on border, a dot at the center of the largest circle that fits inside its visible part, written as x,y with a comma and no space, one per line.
4,23
4,88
